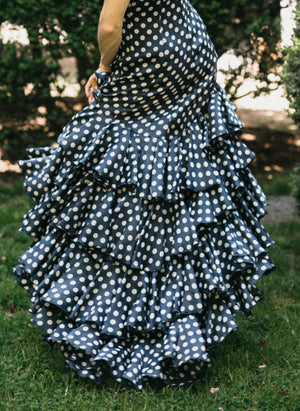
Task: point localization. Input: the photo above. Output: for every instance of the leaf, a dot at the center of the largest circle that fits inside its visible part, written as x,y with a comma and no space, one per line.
11,307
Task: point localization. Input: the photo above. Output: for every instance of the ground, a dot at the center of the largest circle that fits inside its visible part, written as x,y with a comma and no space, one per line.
275,140
255,368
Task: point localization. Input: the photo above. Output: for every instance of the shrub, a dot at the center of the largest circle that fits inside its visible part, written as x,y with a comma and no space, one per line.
295,186
291,71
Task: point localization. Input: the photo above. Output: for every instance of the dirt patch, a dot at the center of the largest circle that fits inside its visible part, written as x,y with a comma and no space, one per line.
276,151
273,137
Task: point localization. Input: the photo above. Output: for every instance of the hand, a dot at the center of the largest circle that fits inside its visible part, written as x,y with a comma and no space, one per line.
92,82
90,86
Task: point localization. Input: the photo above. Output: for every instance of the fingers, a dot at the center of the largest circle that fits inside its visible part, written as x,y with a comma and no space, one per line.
89,94
91,98
89,87
86,89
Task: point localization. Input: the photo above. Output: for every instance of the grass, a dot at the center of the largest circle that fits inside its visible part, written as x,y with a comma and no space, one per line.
255,368
278,185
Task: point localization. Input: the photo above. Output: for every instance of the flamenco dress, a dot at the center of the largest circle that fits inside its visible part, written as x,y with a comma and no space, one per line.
147,239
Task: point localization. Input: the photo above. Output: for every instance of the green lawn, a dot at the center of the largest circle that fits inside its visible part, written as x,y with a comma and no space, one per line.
278,185
254,369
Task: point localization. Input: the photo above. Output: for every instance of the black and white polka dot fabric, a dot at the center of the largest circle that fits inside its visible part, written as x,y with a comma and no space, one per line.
146,229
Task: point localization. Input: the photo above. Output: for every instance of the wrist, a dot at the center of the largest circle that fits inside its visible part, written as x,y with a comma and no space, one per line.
103,68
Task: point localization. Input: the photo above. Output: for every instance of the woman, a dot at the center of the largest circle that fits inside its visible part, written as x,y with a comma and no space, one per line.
148,239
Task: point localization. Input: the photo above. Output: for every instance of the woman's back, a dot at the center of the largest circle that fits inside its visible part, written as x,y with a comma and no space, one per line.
166,61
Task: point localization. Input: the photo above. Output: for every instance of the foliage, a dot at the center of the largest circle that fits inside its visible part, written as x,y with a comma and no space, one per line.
252,30
295,185
291,71
30,72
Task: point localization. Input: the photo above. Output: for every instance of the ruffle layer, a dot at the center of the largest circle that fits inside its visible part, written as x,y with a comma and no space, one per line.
154,332
194,279
137,360
94,218
151,167
139,262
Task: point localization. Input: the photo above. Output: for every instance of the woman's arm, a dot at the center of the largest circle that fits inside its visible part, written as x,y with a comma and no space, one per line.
110,30
109,38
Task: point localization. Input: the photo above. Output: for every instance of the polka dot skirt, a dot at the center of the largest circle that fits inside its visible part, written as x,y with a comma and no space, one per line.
147,239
